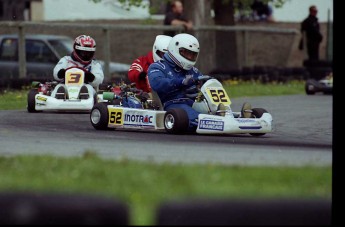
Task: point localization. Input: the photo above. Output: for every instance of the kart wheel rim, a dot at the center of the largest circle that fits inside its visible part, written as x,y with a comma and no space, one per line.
95,116
169,121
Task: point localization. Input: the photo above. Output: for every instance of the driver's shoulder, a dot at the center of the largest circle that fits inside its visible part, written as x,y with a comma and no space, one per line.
95,62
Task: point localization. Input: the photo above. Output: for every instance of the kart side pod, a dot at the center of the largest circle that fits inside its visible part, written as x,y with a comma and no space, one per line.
213,124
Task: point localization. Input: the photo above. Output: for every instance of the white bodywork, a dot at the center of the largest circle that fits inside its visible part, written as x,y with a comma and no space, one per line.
74,80
122,117
208,122
129,118
213,124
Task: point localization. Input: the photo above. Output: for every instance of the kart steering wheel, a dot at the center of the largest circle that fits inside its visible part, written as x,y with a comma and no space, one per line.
77,68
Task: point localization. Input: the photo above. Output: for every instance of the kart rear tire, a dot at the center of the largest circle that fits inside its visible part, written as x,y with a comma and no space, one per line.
176,121
95,99
99,116
309,88
31,101
257,113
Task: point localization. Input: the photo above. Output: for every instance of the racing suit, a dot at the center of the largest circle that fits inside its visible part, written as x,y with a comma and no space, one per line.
137,73
166,78
94,67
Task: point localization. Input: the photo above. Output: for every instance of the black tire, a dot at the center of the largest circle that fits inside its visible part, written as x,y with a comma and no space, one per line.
99,116
31,101
308,91
95,99
257,113
176,121
310,87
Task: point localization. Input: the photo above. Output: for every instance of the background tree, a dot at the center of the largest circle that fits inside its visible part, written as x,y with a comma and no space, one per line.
199,11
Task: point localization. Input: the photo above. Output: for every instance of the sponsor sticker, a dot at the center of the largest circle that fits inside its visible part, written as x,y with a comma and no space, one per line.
138,118
246,120
40,98
211,125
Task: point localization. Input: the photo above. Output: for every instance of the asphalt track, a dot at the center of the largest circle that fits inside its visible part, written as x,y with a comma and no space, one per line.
302,135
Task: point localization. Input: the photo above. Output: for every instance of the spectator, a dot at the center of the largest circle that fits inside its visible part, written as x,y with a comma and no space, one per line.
137,73
175,16
310,29
262,11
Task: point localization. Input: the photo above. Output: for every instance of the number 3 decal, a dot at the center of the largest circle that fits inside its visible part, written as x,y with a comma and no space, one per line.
74,78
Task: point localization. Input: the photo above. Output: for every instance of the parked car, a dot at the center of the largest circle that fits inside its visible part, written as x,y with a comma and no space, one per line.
42,54
324,85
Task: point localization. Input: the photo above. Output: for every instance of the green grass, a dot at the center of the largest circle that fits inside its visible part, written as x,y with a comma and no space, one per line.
13,99
142,186
253,88
10,99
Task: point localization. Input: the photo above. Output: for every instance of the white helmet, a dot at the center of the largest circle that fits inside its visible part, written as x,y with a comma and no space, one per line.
184,49
160,46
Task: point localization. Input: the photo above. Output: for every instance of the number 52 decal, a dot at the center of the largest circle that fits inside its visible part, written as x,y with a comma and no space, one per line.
115,116
218,95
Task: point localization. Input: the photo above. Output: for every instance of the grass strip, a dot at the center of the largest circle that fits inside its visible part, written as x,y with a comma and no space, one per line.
144,185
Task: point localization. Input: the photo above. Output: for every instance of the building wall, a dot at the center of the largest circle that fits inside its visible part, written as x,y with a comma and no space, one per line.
21,10
37,13
12,10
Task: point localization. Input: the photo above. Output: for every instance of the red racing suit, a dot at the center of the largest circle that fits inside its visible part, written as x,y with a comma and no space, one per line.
137,73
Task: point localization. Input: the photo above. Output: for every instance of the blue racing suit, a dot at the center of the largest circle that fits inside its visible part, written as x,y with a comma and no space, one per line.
166,78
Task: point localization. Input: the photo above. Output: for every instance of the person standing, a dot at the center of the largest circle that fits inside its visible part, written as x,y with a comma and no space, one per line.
310,29
262,11
176,17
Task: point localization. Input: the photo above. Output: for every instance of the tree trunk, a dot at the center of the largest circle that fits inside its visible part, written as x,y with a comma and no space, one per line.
226,50
222,56
199,11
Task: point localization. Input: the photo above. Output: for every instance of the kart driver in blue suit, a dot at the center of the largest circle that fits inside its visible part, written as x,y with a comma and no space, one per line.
174,77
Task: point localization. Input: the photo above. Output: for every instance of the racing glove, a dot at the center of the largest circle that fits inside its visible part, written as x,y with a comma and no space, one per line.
188,80
192,92
204,77
89,77
61,73
142,76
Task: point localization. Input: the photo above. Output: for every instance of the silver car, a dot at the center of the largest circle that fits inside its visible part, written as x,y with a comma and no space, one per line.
42,54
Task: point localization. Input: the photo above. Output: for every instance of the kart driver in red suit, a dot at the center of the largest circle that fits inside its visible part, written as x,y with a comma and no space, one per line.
137,73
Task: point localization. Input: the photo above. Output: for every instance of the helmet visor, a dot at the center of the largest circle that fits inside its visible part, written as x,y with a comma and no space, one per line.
188,54
85,55
160,53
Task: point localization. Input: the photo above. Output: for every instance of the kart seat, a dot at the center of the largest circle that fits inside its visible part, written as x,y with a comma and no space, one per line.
156,99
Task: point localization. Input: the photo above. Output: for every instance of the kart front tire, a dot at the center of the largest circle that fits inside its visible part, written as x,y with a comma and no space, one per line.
31,101
99,116
176,121
309,89
257,113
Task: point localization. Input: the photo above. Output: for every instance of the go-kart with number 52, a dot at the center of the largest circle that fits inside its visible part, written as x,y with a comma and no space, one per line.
73,94
212,102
